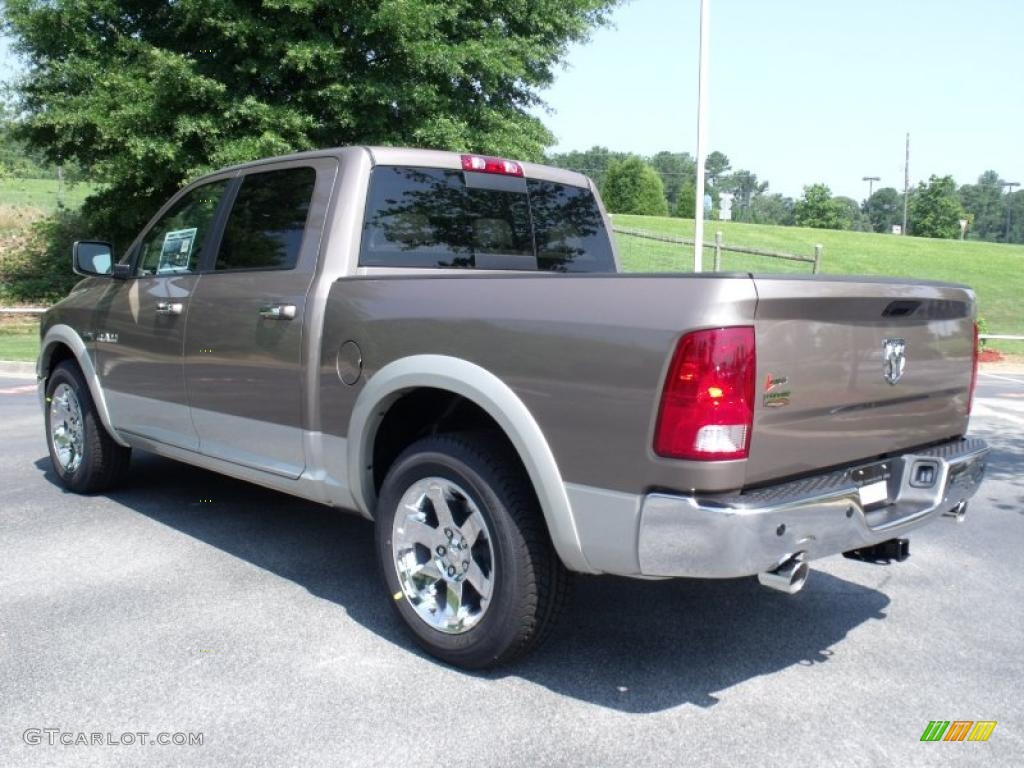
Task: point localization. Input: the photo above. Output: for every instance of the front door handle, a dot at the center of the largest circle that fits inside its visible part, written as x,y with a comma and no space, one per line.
278,312
169,307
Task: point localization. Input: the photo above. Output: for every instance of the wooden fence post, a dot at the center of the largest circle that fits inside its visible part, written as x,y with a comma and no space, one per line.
718,251
817,259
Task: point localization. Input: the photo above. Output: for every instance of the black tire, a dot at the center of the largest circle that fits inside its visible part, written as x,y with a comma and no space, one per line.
103,463
530,583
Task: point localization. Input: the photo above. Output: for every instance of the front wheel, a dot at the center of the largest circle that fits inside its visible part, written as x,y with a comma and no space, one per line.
464,551
84,456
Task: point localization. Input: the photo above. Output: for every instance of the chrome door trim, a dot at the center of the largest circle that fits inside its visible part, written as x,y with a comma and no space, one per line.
318,483
265,437
169,307
157,417
278,311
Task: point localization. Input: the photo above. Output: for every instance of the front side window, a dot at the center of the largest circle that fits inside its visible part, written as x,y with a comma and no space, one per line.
267,220
174,245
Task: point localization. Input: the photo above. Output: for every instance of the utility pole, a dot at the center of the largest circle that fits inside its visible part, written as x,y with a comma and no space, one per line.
871,183
1009,204
702,133
906,185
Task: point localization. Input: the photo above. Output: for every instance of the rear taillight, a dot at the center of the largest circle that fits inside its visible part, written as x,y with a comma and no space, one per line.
707,405
974,370
486,164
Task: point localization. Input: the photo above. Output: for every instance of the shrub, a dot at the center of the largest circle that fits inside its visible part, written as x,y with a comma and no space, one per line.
982,329
632,186
35,259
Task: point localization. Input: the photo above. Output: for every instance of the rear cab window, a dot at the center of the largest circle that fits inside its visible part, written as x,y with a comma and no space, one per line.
432,217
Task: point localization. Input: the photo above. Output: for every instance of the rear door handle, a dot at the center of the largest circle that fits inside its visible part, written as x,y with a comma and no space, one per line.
169,307
278,312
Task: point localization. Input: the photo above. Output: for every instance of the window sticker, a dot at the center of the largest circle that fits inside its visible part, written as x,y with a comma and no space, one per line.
176,250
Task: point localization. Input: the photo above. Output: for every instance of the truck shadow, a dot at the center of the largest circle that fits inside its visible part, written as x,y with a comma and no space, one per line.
1004,464
633,646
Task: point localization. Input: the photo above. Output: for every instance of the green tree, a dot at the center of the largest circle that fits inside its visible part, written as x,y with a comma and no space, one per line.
853,217
632,186
677,170
817,208
745,186
593,162
716,166
1016,203
16,159
148,95
772,209
935,209
686,203
987,203
883,209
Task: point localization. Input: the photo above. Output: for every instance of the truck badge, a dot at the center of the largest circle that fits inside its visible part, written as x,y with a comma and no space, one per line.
776,393
894,359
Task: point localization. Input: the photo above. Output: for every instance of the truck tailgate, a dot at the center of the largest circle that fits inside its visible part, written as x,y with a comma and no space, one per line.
823,398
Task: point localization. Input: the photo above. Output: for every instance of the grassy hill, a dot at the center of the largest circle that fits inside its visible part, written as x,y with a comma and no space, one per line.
995,271
42,193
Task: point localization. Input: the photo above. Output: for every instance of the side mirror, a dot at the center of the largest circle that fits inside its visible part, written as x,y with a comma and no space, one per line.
92,259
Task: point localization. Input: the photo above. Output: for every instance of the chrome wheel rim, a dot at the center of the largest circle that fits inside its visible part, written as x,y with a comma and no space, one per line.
67,433
443,555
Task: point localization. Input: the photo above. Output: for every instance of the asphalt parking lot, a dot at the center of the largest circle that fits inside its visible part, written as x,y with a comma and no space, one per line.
192,603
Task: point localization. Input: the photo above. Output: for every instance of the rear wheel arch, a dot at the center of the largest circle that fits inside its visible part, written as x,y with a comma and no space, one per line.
454,377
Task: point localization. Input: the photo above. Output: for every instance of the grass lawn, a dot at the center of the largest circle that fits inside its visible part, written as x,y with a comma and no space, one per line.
42,193
995,271
19,339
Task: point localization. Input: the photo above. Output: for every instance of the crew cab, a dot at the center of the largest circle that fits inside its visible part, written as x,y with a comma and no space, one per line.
445,344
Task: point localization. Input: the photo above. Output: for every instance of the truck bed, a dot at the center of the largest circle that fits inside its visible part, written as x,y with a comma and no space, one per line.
588,355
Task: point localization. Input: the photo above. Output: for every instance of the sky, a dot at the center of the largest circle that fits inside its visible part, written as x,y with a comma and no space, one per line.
802,91
805,91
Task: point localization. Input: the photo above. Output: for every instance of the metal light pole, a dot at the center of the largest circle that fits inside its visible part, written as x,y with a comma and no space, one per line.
702,133
906,187
1009,204
871,183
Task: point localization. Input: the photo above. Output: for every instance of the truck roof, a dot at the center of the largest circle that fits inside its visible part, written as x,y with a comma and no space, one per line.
426,158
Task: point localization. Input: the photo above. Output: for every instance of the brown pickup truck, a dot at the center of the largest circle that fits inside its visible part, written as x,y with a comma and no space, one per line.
444,344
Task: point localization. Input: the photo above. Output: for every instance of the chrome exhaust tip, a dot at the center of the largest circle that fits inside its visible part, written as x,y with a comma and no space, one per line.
789,577
958,513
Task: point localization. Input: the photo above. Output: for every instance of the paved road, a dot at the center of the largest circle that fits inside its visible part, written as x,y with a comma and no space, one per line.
188,602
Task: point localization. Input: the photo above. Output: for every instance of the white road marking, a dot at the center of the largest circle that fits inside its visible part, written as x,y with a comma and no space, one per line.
18,390
1001,378
1000,410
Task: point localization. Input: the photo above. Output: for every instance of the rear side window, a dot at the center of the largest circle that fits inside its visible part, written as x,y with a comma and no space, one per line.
268,218
429,217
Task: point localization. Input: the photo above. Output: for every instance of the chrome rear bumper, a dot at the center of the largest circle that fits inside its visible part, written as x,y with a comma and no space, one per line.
723,536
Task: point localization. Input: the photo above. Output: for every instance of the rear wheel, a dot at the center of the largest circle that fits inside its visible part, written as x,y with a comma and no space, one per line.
464,551
84,456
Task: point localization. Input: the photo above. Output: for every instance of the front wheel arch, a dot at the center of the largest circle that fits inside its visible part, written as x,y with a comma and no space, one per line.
62,342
